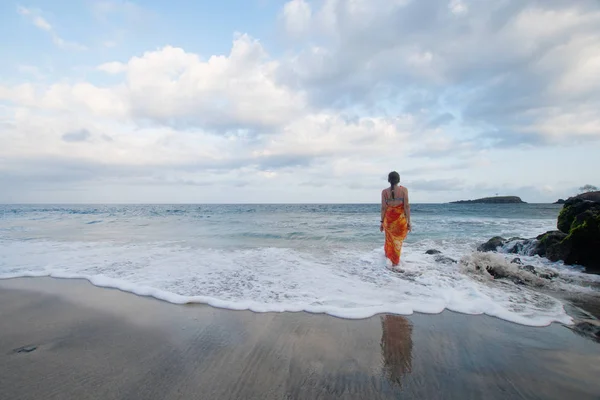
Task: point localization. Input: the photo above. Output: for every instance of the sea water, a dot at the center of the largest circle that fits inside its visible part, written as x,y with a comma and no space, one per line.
320,258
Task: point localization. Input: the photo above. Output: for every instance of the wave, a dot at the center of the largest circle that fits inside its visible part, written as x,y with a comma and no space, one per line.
346,283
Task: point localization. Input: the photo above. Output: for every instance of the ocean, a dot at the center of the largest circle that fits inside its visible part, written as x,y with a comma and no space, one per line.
319,258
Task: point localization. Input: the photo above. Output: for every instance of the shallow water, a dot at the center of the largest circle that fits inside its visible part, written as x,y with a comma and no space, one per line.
317,258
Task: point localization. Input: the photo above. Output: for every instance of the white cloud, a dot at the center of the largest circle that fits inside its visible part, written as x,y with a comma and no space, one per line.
171,86
499,62
559,124
113,67
297,16
329,135
458,7
427,88
81,97
24,11
103,9
41,23
31,70
63,44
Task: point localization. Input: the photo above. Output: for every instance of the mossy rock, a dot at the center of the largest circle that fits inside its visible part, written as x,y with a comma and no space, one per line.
550,245
571,209
584,240
578,238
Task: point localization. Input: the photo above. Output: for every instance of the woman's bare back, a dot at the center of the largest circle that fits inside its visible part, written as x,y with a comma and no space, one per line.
399,194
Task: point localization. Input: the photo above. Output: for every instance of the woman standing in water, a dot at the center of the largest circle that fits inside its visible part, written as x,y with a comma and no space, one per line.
395,217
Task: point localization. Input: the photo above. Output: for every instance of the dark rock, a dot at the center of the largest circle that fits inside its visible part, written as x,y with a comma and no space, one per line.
590,329
515,238
583,242
549,244
541,274
580,220
516,261
433,251
559,201
528,268
493,200
591,196
517,280
501,273
497,273
492,244
519,246
559,251
571,209
25,349
445,260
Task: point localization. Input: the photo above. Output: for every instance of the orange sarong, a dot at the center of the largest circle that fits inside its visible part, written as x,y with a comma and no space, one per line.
396,229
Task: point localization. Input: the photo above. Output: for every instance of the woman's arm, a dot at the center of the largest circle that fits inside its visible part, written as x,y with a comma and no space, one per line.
407,208
383,207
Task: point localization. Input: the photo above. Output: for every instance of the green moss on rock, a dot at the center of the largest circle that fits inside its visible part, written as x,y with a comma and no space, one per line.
582,243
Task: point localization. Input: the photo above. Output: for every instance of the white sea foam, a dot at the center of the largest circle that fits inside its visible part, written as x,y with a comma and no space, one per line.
341,282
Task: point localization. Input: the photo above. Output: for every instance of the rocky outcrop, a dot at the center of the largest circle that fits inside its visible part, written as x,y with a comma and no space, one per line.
445,260
559,201
577,240
549,245
574,207
493,200
492,244
440,258
499,268
580,221
591,196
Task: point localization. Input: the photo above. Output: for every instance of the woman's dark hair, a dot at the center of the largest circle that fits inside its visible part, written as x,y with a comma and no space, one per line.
393,179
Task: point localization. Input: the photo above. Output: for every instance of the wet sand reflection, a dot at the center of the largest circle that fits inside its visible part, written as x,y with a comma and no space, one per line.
396,347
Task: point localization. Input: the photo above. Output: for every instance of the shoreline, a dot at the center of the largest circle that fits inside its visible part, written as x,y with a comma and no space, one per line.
175,299
95,343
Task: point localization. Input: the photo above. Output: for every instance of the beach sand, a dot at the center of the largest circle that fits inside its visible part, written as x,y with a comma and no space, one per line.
94,343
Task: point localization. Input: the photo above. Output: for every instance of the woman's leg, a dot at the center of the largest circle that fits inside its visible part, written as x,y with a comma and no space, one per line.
392,251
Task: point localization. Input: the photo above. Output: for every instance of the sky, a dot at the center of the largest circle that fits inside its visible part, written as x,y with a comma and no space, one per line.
265,101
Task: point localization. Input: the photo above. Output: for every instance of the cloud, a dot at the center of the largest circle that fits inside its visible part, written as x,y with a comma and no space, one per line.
440,167
113,67
42,24
430,89
437,145
458,7
437,185
297,16
31,70
63,44
175,88
34,16
81,135
498,66
106,9
440,120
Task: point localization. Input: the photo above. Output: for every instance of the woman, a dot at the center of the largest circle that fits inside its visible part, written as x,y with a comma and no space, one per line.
395,217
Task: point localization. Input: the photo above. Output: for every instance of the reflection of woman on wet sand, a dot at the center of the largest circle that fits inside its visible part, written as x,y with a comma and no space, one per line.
396,347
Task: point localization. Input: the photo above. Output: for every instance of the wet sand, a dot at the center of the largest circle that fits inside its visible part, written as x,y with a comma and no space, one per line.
94,343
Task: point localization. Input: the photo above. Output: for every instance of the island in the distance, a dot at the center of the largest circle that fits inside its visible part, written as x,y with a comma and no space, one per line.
493,200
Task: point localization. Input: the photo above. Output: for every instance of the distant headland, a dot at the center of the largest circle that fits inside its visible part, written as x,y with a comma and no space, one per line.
492,200
591,196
